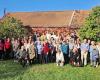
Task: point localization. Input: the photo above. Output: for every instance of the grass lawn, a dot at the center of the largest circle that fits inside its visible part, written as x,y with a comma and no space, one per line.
14,71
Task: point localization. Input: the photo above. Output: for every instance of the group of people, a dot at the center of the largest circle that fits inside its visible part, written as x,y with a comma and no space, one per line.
50,47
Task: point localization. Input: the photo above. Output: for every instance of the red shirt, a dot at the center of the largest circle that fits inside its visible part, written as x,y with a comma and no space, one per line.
46,48
7,45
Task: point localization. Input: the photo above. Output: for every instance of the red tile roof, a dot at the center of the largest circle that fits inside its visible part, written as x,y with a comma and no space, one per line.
51,18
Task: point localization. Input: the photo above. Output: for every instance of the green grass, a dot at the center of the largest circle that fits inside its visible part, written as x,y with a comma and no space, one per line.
14,71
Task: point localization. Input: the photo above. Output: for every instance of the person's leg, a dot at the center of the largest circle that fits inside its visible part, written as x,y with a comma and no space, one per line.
85,58
49,57
90,59
94,63
61,64
82,57
8,52
0,55
65,58
40,58
97,62
57,62
43,58
46,58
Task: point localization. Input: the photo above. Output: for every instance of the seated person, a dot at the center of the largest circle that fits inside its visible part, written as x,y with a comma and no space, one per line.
59,58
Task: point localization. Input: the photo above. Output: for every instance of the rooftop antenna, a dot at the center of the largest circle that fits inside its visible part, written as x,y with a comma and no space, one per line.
73,13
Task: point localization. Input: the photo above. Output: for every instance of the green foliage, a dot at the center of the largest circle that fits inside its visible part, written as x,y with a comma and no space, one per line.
91,26
11,27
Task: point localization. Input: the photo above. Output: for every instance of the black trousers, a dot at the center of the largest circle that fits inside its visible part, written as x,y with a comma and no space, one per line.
40,58
7,54
1,54
66,58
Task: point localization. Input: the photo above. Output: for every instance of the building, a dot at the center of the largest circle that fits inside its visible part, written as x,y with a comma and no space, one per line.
72,19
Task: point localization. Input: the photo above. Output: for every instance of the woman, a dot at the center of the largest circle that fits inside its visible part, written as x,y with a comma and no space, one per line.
95,56
7,48
59,58
31,52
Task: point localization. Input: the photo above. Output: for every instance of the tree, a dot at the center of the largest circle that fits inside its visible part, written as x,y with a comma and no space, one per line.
11,27
91,27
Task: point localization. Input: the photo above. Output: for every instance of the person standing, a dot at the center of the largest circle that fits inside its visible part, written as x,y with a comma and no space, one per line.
91,50
65,50
45,51
98,47
31,52
7,48
95,56
84,52
15,47
39,50
1,50
59,58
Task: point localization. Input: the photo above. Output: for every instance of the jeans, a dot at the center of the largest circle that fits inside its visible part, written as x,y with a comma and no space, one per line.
1,54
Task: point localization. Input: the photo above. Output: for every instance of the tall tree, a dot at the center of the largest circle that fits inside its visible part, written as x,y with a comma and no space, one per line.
11,27
91,27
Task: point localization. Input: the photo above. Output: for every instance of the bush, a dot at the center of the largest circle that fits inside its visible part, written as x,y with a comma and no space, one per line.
11,27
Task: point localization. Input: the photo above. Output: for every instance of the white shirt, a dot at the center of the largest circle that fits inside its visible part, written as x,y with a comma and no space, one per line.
48,36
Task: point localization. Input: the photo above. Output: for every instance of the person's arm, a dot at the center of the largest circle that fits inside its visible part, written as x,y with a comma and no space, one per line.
87,47
81,47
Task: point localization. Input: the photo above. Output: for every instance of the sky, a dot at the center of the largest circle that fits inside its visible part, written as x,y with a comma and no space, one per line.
45,5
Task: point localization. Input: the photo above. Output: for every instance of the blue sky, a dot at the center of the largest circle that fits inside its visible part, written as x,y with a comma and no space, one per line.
46,5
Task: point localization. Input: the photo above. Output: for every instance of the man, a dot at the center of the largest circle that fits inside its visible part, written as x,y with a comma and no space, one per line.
84,52
65,50
39,49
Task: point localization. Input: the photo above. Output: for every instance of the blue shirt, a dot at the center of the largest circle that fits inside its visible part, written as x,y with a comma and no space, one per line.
84,46
64,48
